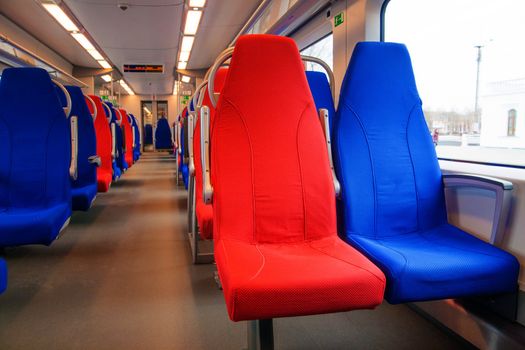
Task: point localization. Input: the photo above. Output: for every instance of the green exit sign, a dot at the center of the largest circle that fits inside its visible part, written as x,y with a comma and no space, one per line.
339,19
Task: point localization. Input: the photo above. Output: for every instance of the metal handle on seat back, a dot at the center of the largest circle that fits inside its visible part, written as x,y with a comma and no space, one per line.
326,68
95,112
223,57
73,166
108,117
207,189
323,118
113,140
67,109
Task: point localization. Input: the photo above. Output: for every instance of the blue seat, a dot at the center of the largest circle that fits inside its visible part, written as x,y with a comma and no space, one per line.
136,131
320,88
84,188
163,135
148,135
3,276
392,199
120,165
35,154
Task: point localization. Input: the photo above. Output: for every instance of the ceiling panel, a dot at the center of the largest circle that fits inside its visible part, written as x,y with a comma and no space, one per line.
221,22
146,33
34,19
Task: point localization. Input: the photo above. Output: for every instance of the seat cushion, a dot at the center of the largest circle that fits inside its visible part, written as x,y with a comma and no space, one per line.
204,213
32,226
103,180
83,197
440,263
3,276
279,280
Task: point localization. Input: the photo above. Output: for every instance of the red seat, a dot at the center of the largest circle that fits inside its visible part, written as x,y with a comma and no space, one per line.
127,131
104,144
275,235
203,211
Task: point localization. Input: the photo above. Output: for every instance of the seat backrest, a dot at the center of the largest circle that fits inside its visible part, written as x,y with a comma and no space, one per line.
35,148
163,134
270,170
320,88
136,131
128,136
220,77
103,132
115,119
87,141
148,134
385,159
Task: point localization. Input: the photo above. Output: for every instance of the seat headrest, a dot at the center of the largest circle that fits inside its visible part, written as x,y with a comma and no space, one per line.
79,107
19,83
100,109
380,71
266,68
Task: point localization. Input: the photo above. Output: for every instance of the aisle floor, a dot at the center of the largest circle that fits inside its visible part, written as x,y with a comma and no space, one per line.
121,277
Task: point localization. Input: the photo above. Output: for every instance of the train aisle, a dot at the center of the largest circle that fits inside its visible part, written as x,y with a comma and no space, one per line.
121,278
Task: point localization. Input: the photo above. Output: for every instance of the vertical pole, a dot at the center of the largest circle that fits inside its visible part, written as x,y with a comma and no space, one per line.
476,102
260,335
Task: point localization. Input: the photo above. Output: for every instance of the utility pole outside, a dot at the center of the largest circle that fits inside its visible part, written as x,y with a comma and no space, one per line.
476,102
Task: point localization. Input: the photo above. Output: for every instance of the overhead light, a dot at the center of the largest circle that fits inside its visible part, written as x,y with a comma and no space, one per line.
186,79
96,55
197,3
187,43
182,65
106,78
61,17
83,41
146,110
193,19
184,56
126,87
104,64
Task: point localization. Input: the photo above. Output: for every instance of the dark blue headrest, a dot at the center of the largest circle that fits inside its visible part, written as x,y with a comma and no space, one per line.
34,141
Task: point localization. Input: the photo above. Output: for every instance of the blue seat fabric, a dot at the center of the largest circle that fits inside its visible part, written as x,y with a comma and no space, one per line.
163,134
135,126
392,200
3,276
148,134
84,188
35,152
320,88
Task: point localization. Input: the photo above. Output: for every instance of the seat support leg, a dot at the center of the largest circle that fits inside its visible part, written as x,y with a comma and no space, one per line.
260,335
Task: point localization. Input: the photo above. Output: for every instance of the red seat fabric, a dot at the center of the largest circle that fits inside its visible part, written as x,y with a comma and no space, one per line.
275,235
104,144
127,131
203,211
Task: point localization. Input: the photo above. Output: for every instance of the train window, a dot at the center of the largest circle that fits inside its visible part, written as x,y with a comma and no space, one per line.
468,60
322,49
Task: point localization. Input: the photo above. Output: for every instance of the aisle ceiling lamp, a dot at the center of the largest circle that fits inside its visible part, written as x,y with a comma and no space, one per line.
63,19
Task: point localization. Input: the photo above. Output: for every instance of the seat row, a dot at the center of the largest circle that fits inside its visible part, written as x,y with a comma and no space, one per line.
298,233
58,149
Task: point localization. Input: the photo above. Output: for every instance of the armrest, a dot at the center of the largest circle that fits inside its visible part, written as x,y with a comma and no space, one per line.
73,165
95,160
113,141
207,189
502,190
191,163
323,118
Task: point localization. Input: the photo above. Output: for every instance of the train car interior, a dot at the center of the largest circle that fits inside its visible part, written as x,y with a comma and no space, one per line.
262,174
